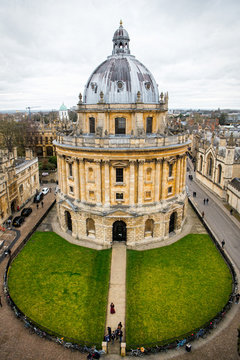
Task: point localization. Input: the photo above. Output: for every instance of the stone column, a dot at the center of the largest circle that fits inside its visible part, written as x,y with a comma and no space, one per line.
64,175
107,183
184,171
132,183
177,175
82,179
59,166
181,171
164,179
76,179
157,180
140,181
98,182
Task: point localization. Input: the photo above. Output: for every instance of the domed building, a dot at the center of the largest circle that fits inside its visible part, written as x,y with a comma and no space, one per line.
121,173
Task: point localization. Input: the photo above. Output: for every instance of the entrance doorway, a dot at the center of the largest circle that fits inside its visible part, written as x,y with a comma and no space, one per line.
172,222
13,206
68,220
119,231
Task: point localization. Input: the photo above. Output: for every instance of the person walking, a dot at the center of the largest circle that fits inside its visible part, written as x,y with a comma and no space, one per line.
120,334
204,200
37,206
42,204
113,337
0,301
109,331
223,243
207,200
202,214
112,308
120,325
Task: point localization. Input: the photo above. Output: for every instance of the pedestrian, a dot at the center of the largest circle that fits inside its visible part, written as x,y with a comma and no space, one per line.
204,200
231,211
42,204
109,331
203,214
37,206
120,325
113,337
112,308
188,347
223,243
0,301
50,189
120,335
207,200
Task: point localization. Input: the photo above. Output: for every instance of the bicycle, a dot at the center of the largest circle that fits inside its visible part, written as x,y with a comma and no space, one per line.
136,352
181,343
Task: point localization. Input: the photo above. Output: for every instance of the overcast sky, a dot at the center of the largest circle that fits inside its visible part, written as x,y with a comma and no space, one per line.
49,48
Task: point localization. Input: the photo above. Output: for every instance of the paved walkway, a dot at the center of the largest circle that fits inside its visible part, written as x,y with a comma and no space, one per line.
117,290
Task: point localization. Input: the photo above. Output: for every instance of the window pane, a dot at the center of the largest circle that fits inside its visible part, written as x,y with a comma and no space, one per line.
149,125
119,175
120,126
92,125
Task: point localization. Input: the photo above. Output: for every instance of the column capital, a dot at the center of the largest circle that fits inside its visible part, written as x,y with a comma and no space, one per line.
132,161
141,161
106,162
159,160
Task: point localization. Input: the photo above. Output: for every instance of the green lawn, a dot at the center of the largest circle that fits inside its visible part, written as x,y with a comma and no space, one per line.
62,286
174,289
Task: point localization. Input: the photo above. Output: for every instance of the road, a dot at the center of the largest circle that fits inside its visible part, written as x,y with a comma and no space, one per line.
223,225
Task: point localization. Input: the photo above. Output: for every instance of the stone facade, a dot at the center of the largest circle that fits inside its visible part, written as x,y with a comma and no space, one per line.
218,162
19,181
121,175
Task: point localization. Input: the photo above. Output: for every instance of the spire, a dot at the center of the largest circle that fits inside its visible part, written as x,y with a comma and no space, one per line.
121,41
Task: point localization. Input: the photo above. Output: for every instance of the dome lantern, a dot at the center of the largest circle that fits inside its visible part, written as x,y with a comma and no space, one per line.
121,41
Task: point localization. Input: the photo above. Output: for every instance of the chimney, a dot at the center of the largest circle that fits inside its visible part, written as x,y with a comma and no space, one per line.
28,154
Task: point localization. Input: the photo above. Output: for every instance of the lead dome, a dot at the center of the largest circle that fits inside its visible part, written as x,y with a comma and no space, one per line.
122,79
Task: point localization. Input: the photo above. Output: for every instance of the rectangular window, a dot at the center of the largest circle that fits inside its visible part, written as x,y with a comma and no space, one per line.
70,170
148,195
170,190
92,125
170,170
120,126
119,175
46,140
119,196
71,189
149,125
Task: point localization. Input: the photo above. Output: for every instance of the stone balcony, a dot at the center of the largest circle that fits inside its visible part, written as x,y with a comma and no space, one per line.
153,141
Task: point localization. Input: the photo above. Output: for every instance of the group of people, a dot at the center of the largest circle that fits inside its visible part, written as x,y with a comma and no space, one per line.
115,334
205,201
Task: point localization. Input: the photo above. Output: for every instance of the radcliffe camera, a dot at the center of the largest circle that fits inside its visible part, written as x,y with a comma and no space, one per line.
119,180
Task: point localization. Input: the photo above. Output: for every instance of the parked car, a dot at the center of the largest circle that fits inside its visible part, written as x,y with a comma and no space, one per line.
18,220
45,190
26,212
38,197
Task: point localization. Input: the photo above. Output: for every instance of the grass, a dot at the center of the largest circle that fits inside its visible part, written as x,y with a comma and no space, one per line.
174,289
62,286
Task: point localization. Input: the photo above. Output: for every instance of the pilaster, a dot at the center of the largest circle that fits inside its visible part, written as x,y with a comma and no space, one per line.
157,180
82,180
140,181
132,183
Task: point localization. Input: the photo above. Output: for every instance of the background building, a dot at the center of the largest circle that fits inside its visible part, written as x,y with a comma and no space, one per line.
19,181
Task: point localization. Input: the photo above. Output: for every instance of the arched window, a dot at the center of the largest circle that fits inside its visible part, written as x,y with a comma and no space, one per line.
90,227
209,165
90,175
201,163
70,169
149,174
219,173
149,224
21,188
